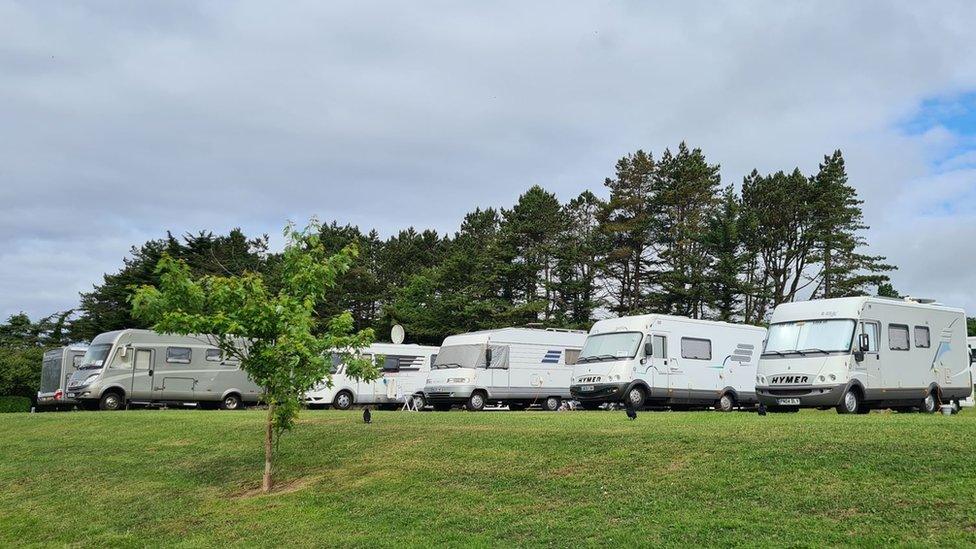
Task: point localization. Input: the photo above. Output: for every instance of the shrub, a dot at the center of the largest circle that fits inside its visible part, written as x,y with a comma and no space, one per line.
14,404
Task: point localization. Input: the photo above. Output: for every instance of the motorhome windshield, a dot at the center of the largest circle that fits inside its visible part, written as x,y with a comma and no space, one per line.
460,356
610,346
810,337
95,356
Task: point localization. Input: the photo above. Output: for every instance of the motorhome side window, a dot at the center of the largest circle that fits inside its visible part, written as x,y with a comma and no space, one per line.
572,355
922,337
898,337
178,355
696,349
660,344
213,355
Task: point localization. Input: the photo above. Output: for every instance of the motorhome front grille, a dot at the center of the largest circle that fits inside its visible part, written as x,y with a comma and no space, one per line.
789,392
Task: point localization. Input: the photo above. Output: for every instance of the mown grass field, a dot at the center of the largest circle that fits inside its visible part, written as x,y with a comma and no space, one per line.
187,478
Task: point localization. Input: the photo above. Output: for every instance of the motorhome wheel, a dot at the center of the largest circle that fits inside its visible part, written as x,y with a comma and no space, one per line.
343,401
636,397
230,402
419,402
851,402
477,402
726,403
552,404
110,402
929,405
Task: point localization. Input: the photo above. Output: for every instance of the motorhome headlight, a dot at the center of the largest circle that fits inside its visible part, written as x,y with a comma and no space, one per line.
821,379
761,380
88,380
457,380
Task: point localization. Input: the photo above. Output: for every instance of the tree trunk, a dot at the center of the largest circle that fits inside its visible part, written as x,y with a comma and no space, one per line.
268,449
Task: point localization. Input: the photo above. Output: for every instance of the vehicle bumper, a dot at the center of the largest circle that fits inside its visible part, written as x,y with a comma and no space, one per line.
48,399
448,394
599,392
810,396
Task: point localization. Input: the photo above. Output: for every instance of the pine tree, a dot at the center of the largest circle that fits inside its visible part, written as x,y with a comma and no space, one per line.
578,255
728,259
626,222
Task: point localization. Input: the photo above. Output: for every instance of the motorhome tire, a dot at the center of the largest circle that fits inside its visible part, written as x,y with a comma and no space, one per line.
231,402
552,404
636,397
929,404
111,401
726,403
419,402
851,402
476,402
343,400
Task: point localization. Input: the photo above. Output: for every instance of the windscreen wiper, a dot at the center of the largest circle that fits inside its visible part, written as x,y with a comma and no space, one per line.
812,350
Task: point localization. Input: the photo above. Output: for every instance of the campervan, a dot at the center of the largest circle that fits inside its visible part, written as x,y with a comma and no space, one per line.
518,367
56,368
143,367
858,353
404,370
663,360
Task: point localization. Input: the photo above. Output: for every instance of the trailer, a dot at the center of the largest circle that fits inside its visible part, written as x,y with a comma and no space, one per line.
142,367
517,367
56,368
404,371
668,361
859,353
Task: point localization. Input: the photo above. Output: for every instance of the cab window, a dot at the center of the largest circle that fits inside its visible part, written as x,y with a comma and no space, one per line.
660,346
872,329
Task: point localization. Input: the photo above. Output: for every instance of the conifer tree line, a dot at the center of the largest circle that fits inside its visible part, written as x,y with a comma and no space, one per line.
666,236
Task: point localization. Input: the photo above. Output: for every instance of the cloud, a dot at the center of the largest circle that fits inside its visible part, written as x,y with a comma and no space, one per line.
122,121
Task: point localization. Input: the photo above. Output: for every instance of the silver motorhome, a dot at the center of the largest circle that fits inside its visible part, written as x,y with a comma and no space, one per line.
143,367
858,353
56,368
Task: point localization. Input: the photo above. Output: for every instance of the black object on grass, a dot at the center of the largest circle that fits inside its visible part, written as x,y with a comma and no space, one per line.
367,417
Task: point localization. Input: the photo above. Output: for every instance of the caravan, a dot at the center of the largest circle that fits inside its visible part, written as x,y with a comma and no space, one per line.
404,371
858,353
56,368
143,367
514,366
667,360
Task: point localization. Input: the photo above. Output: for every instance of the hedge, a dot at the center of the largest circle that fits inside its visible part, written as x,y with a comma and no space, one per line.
13,404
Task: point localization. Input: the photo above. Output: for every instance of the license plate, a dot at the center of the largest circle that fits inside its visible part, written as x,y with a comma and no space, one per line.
71,395
788,401
587,388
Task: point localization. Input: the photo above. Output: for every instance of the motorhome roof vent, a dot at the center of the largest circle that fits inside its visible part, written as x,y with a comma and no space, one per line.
923,300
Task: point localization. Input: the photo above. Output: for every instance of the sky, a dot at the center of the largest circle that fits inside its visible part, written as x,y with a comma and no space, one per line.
120,121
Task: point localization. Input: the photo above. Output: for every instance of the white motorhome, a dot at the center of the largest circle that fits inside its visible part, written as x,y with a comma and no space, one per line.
56,368
404,371
858,353
971,343
518,367
665,360
143,367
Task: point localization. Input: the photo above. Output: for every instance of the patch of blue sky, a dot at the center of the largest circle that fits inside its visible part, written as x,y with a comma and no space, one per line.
954,114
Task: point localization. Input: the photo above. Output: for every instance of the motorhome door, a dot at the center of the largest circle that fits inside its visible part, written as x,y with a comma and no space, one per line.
663,365
870,367
142,374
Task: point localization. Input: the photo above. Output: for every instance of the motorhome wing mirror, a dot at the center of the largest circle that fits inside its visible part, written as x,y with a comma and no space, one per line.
124,351
648,348
488,358
864,343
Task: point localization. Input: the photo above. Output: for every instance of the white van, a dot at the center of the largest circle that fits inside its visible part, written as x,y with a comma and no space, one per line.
404,369
667,360
56,368
143,367
971,342
858,353
514,366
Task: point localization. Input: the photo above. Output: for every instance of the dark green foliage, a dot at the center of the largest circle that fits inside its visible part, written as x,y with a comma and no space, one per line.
579,251
22,346
971,326
107,308
14,404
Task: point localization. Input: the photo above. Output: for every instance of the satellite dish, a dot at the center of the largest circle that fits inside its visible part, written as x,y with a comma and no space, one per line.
396,334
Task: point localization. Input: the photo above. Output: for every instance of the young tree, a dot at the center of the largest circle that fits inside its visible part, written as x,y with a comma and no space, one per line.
727,258
272,334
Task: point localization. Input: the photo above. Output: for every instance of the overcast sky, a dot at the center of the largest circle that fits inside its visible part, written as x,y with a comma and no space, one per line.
122,120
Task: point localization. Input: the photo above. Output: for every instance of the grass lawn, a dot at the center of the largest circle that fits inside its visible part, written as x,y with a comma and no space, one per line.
187,477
